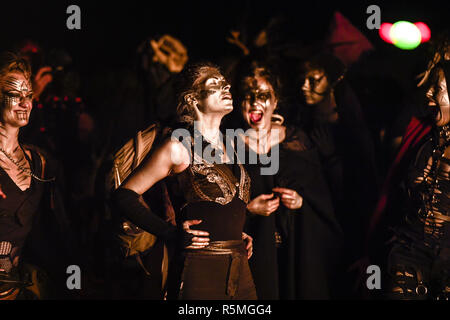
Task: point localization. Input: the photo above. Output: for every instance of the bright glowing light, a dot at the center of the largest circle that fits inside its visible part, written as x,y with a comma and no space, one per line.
424,31
405,35
385,28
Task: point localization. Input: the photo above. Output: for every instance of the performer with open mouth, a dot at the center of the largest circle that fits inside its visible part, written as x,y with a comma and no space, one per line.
415,199
287,204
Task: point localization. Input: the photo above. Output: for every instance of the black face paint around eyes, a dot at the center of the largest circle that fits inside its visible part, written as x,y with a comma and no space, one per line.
213,88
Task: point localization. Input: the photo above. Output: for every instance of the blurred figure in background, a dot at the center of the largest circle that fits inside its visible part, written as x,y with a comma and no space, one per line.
333,119
160,59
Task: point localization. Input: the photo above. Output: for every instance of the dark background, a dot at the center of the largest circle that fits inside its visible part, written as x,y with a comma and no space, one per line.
111,30
104,53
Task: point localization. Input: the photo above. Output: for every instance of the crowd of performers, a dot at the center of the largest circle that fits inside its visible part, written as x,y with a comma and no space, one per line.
180,226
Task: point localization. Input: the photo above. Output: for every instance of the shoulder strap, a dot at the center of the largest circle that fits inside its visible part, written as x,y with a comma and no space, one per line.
36,154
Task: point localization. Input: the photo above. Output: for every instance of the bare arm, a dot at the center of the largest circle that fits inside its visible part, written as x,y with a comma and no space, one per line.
169,158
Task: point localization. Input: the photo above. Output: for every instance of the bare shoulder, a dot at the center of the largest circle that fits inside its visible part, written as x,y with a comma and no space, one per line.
178,153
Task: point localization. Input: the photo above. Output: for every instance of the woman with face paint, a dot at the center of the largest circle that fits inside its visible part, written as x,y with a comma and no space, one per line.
416,197
22,182
287,203
333,119
214,192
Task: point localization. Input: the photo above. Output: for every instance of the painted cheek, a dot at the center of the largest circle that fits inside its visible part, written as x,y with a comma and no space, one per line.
11,102
321,87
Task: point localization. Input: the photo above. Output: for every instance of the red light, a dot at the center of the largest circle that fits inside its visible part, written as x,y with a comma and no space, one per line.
424,31
77,99
66,98
385,28
56,99
40,106
42,129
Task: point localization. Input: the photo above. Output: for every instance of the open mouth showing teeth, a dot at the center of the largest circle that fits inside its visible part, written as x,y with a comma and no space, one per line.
22,115
256,116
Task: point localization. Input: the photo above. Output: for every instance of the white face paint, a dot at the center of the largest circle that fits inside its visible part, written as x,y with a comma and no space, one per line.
215,96
16,100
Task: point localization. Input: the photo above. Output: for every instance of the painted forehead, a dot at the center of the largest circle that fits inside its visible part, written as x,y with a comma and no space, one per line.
16,82
209,75
213,78
257,83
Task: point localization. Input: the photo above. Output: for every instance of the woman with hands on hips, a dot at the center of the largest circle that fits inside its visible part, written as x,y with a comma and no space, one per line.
213,260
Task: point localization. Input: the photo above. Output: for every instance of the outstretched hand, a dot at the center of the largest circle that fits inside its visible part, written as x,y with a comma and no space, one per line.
195,239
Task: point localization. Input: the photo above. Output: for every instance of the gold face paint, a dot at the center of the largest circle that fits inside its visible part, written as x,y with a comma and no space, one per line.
16,99
437,96
315,86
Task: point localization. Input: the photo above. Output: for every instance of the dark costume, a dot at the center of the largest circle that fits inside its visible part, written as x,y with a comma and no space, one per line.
295,251
418,261
19,208
34,234
264,264
314,236
347,155
216,194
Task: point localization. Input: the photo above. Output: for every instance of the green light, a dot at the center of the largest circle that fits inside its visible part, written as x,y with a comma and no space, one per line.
405,35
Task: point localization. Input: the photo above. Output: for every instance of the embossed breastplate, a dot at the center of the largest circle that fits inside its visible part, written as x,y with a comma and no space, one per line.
203,181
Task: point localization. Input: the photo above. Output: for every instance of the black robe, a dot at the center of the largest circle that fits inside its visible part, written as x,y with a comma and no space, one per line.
304,265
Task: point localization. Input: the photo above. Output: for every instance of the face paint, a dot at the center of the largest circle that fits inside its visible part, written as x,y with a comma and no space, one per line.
213,85
214,94
259,102
437,96
17,97
315,86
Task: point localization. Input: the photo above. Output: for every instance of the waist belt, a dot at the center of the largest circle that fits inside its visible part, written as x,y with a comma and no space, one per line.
237,252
